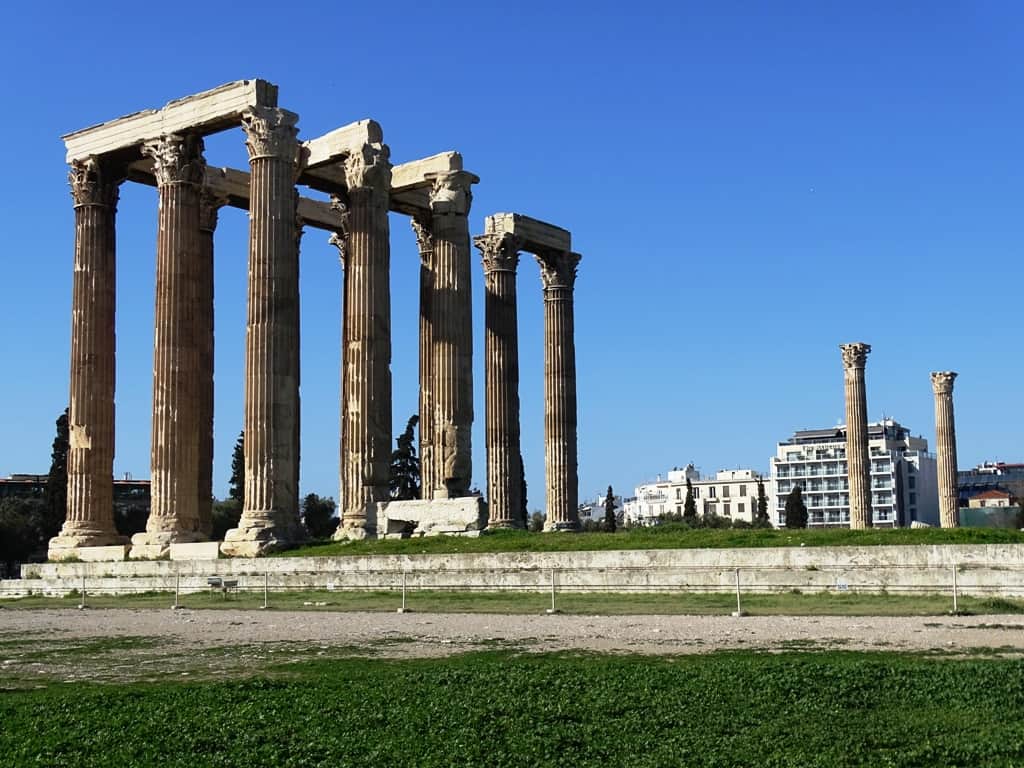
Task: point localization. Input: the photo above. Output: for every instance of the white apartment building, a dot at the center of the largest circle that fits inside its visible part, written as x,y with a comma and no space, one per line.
730,494
904,485
593,509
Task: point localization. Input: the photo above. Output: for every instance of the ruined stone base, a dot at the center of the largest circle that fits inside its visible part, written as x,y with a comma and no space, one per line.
465,516
567,526
70,545
157,544
255,540
112,554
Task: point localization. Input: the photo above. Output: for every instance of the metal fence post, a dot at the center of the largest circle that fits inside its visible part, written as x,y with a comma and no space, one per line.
82,604
552,609
739,608
177,589
266,589
955,607
403,608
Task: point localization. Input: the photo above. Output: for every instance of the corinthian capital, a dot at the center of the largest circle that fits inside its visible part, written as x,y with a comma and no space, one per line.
271,132
94,182
369,167
855,355
210,204
177,158
500,251
424,236
558,269
452,193
339,239
942,382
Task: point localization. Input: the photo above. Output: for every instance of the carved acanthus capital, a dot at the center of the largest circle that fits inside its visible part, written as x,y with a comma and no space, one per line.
452,193
94,182
210,204
272,132
558,269
855,355
500,251
424,236
942,382
340,238
369,167
177,159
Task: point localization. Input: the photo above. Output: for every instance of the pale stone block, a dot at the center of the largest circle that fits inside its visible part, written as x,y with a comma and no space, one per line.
461,516
148,551
91,554
203,550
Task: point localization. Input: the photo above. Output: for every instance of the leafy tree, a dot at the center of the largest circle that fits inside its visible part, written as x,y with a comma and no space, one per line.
57,481
21,534
318,516
609,511
796,510
236,486
537,521
224,515
405,466
761,509
130,519
690,506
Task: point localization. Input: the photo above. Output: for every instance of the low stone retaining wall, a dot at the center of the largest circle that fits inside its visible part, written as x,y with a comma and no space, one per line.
984,570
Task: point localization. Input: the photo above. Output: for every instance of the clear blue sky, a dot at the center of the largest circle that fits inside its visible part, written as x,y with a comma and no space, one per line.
750,184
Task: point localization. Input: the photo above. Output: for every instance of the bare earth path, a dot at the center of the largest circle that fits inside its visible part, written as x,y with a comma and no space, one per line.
415,634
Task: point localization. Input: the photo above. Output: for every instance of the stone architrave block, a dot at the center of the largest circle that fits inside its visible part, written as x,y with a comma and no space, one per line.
92,554
203,550
463,516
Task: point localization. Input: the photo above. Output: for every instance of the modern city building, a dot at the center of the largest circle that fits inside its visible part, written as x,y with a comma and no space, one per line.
991,476
731,494
128,493
593,509
904,485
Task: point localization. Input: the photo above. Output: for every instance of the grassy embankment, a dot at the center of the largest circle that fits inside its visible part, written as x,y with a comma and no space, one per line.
672,536
832,709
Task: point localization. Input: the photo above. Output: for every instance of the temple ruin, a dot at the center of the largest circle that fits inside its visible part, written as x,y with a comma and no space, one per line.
164,148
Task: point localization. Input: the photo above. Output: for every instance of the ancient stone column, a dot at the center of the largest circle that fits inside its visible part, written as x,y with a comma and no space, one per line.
270,518
945,439
858,463
366,357
209,205
501,382
558,275
425,241
451,305
177,390
90,507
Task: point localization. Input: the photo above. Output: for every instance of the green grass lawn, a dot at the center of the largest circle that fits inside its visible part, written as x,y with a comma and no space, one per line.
831,709
671,536
594,603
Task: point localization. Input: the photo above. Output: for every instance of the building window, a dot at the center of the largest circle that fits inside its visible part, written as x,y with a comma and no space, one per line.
711,491
911,482
696,493
743,491
741,508
679,493
726,510
725,491
913,498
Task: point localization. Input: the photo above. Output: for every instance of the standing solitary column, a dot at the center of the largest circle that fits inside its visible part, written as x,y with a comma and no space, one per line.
501,383
270,518
90,510
425,242
945,439
452,334
366,356
558,275
858,464
209,205
175,441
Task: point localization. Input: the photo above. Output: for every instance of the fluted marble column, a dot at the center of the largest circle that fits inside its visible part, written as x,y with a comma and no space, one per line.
425,242
174,448
945,448
90,517
451,326
501,383
270,518
366,384
558,275
209,205
858,463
